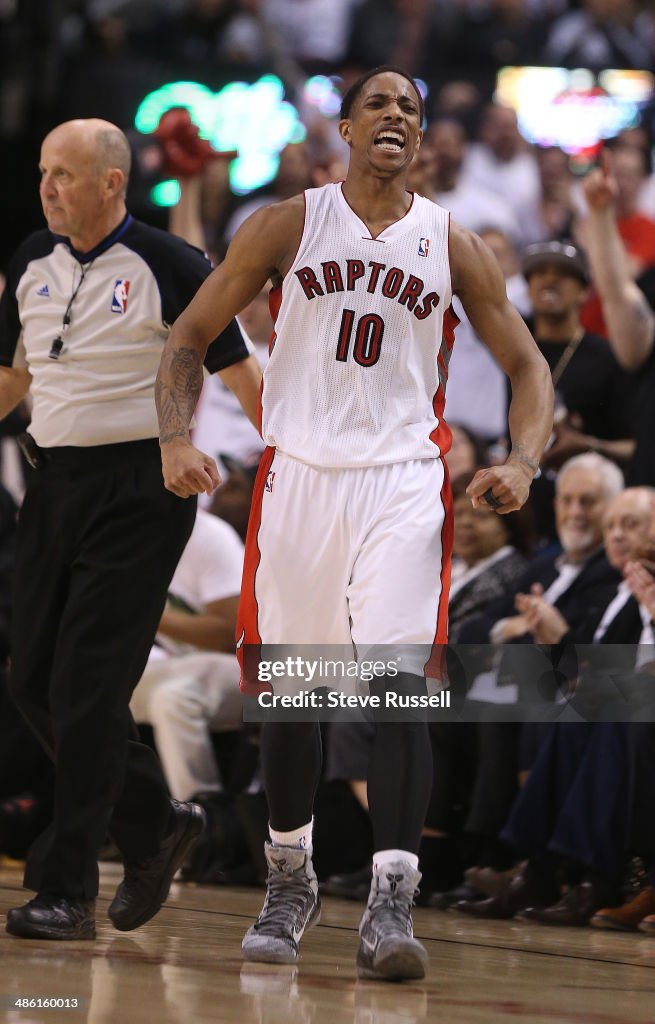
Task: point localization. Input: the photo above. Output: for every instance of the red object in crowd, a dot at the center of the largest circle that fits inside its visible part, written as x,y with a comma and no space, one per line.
185,153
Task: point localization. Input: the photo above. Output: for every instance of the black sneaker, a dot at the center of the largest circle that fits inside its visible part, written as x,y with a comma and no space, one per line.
146,884
46,917
387,947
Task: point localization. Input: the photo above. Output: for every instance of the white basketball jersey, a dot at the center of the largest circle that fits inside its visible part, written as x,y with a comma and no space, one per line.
362,339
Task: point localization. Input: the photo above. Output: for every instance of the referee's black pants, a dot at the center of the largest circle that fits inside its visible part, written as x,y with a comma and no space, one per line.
98,542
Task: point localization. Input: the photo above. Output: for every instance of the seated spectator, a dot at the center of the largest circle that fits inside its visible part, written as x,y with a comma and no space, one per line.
466,452
638,911
489,556
576,580
573,805
232,499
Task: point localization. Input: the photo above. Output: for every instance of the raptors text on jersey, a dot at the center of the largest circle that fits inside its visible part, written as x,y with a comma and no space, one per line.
363,335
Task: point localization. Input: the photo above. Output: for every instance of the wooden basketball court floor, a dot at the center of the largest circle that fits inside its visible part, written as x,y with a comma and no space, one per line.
185,966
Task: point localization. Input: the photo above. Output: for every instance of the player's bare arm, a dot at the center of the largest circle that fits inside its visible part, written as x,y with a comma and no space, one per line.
478,281
630,322
262,250
14,385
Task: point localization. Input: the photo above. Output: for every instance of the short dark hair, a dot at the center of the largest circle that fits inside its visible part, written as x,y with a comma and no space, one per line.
355,89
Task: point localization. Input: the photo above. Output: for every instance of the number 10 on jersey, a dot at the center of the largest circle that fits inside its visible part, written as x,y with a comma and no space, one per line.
368,338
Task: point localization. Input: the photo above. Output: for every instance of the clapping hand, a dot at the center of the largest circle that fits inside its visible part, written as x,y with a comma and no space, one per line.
544,621
642,585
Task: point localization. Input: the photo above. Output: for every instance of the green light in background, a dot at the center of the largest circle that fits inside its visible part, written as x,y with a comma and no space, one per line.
254,119
198,99
249,172
166,193
298,132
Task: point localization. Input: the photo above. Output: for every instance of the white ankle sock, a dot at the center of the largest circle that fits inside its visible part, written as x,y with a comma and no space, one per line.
383,857
301,837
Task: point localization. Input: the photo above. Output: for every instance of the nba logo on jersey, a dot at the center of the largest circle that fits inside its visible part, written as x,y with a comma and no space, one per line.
269,480
423,246
119,298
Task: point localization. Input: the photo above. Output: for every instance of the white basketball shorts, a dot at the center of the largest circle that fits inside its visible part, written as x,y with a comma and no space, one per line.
357,556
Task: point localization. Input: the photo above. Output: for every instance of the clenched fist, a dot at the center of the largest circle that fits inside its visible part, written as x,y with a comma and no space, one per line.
187,470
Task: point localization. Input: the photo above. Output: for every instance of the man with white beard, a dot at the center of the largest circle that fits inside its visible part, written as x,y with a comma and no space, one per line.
580,575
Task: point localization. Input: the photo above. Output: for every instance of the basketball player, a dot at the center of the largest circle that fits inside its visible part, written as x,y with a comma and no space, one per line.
351,530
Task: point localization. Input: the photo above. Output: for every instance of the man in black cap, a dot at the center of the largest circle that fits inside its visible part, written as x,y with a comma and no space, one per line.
592,410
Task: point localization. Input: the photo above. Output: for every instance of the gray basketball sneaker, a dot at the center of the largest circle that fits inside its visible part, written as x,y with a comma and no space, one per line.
292,905
387,947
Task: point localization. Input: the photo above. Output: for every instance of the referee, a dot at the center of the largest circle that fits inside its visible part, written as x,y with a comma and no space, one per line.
87,309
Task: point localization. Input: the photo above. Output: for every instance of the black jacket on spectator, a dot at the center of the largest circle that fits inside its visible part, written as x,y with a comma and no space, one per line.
476,595
575,802
589,593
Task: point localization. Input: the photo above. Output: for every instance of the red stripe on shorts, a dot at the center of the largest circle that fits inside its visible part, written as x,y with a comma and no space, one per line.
441,434
247,634
435,667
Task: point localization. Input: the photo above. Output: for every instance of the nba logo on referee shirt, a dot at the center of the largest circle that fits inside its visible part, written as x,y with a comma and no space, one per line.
119,298
423,246
269,480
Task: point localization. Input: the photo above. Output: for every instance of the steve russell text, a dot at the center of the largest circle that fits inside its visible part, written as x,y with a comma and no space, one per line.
312,699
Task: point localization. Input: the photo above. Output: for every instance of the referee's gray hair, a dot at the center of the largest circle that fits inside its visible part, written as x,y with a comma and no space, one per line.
113,151
608,472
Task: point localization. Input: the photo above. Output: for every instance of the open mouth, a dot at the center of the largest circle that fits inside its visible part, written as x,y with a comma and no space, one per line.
390,140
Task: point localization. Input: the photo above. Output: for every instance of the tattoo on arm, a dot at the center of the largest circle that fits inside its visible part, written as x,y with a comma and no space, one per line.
178,387
520,455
